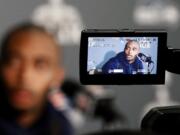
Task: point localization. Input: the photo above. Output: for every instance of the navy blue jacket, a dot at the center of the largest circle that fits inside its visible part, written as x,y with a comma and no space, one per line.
119,62
52,122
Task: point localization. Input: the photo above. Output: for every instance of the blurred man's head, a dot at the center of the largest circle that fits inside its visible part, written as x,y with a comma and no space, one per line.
30,65
131,50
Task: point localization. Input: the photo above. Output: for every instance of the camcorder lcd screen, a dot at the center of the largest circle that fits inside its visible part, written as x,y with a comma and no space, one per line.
122,55
124,58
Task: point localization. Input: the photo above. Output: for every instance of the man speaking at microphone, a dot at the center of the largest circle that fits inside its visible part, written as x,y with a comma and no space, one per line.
125,62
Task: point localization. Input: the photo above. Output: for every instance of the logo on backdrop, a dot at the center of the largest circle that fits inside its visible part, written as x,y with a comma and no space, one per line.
61,19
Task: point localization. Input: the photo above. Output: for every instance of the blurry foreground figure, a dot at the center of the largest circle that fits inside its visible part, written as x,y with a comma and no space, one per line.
30,68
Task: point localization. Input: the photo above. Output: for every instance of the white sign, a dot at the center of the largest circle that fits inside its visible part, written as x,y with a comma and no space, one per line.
62,20
156,12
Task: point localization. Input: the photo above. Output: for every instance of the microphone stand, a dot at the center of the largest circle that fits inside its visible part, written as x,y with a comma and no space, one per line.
149,67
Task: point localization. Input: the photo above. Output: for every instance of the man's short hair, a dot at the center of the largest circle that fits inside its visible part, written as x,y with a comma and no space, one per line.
18,28
130,41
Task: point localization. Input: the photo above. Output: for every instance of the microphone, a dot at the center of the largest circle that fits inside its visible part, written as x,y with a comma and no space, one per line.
145,58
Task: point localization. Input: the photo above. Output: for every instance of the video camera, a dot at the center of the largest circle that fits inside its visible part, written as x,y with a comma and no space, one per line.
125,56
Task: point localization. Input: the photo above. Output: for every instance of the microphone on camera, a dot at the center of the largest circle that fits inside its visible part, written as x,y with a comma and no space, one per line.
145,58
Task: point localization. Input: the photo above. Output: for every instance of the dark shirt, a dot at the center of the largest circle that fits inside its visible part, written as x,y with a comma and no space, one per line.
52,122
120,63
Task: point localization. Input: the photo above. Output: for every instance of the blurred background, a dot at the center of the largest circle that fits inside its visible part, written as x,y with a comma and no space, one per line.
130,101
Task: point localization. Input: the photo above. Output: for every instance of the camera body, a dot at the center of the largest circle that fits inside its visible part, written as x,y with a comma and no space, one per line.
123,56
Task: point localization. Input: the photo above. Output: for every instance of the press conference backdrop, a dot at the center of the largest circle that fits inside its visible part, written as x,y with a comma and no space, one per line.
100,14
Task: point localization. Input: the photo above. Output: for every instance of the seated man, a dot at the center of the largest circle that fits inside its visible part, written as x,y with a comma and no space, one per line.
125,62
30,67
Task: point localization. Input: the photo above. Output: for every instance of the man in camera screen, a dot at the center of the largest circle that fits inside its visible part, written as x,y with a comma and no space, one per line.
122,55
125,62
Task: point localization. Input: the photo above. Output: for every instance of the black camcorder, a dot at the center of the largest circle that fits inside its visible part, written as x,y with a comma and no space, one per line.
125,56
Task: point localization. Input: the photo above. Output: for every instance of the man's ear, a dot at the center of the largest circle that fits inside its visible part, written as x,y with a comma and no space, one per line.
58,79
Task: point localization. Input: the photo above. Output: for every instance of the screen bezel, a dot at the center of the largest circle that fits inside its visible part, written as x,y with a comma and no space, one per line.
123,79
